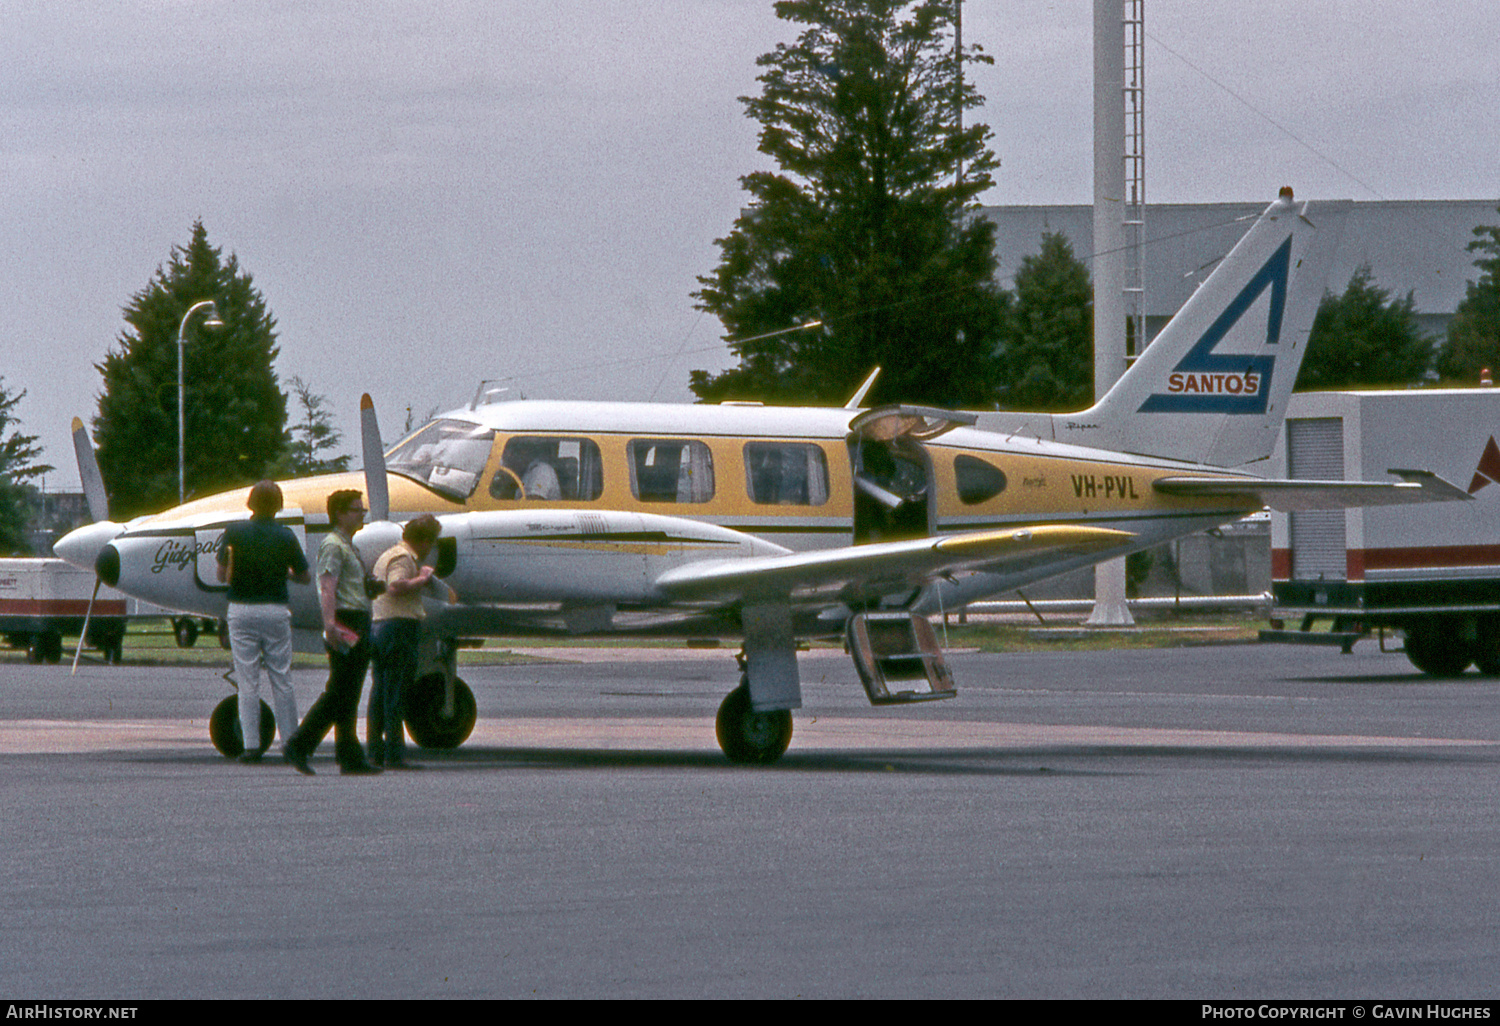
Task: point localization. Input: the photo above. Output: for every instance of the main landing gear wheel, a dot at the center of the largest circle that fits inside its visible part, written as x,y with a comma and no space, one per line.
751,737
224,727
425,721
186,632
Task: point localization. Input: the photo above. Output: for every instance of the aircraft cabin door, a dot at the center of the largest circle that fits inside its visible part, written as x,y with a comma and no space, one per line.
892,470
206,542
206,550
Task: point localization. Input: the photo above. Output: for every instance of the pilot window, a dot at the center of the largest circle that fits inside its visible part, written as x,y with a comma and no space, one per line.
549,470
978,481
671,470
786,474
445,455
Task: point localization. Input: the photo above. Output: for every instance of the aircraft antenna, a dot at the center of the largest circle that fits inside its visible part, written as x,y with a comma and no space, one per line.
863,390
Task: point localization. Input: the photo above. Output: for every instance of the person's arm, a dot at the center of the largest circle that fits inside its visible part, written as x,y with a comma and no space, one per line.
298,570
328,586
226,566
403,585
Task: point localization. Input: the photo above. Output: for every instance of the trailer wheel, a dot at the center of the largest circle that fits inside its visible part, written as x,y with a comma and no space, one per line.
1435,652
45,646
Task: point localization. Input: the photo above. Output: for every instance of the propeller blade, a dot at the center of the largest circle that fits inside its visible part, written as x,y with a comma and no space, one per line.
87,615
377,492
88,473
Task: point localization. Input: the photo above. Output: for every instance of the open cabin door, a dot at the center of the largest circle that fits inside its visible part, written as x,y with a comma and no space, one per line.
892,472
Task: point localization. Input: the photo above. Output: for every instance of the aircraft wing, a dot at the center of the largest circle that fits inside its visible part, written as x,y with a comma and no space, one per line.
1295,495
884,566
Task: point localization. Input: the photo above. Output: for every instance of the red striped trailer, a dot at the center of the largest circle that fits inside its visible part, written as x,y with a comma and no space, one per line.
44,600
1429,570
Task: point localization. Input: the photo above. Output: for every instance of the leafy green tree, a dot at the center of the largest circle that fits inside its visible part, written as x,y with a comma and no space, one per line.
1364,339
18,454
1047,356
868,226
235,411
1473,341
311,438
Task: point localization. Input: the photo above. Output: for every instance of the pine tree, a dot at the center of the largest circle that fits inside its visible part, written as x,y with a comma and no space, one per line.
868,227
1048,353
311,438
18,454
1364,339
1474,334
235,411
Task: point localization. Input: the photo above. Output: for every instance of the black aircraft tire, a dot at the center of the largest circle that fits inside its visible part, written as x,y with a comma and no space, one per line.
424,713
749,737
1436,653
186,631
224,727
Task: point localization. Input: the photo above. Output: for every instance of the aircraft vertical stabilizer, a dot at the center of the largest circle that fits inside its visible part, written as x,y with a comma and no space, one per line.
1213,386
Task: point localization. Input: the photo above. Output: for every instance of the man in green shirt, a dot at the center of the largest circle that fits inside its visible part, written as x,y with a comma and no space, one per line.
346,636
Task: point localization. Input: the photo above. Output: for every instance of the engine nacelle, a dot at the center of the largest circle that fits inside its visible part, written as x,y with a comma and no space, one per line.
555,555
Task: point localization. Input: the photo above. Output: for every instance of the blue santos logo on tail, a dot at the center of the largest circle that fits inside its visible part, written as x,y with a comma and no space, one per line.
1208,382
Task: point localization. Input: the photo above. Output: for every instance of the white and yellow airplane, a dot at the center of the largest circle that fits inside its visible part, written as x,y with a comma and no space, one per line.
794,522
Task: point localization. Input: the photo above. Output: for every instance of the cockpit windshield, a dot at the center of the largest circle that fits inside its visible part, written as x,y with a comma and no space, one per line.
445,455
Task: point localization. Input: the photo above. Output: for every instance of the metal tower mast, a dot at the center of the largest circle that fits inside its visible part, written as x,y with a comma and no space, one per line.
1134,93
1119,206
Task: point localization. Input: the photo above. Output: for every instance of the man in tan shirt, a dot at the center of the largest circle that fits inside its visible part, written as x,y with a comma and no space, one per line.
397,614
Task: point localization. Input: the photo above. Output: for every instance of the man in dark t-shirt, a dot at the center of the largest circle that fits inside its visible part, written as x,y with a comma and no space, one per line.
257,557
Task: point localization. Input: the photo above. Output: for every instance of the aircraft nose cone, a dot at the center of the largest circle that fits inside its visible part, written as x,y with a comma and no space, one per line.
81,547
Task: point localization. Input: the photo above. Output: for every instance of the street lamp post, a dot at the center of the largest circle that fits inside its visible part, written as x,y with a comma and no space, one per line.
212,321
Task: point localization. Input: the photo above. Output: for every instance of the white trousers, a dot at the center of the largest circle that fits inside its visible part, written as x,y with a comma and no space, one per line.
262,633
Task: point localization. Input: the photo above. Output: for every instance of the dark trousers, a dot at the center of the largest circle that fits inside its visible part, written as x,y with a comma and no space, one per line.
395,669
338,706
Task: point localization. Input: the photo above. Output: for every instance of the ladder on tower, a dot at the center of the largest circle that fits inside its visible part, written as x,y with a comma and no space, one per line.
1134,18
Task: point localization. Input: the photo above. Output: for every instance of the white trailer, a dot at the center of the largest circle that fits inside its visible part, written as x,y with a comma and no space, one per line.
1430,570
41,600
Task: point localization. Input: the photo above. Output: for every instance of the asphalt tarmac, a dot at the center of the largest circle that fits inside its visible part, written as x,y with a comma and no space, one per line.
1236,822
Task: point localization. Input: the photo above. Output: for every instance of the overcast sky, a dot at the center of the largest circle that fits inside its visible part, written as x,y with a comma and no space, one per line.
428,194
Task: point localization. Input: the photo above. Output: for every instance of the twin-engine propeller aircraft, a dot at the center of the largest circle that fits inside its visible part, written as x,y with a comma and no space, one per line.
785,523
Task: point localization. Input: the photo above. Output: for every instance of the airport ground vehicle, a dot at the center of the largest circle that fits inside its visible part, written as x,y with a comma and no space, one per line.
1430,571
44,600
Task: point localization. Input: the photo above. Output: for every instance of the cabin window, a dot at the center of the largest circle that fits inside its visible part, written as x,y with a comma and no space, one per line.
445,455
671,470
978,481
549,470
786,474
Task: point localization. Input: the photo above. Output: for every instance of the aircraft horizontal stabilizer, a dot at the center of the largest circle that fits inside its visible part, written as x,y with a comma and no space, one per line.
1296,495
885,566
